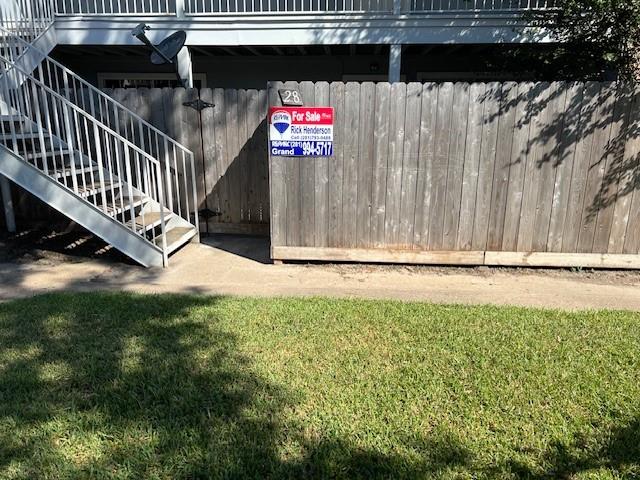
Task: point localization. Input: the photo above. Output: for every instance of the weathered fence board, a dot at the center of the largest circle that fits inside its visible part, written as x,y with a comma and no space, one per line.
512,173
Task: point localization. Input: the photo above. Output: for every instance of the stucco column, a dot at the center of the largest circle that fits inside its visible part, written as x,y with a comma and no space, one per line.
395,62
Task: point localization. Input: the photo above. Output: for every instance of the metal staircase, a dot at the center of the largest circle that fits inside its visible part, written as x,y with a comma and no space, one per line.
91,158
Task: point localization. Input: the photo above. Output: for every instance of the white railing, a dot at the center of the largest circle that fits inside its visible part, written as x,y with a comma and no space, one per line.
177,161
89,158
115,7
26,18
317,7
221,7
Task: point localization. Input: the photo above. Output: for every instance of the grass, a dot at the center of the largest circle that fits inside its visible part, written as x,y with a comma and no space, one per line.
178,387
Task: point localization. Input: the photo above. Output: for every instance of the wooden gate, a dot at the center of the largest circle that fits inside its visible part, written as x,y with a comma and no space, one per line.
226,129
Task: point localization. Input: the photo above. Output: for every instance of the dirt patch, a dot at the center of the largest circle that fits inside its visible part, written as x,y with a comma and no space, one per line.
592,276
53,244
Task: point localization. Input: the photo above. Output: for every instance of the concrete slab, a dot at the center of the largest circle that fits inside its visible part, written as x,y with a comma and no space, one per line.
230,265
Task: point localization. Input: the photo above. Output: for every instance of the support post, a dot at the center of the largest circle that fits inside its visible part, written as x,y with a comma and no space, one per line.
180,8
7,202
185,67
395,62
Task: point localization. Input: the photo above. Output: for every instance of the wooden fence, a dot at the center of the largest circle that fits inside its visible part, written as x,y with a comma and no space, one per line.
229,141
495,173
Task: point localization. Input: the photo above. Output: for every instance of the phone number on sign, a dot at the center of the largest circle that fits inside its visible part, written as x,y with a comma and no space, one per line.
317,149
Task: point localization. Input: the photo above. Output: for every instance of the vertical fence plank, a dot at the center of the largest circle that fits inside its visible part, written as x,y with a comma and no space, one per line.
277,187
625,233
426,153
410,164
477,93
504,148
307,181
394,174
539,103
550,133
613,156
232,151
336,172
210,159
490,117
321,198
517,167
438,187
597,165
577,188
350,156
380,163
564,159
453,195
365,164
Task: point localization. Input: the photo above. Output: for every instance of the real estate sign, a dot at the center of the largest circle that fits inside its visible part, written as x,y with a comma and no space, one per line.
301,131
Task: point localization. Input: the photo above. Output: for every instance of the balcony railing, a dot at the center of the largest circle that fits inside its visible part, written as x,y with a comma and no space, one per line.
296,7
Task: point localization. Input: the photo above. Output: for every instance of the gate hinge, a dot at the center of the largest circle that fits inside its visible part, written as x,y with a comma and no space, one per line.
198,104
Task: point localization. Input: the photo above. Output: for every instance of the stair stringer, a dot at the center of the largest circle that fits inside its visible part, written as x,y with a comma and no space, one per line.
66,202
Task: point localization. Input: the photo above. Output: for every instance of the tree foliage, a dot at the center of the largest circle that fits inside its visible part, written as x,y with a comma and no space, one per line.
599,37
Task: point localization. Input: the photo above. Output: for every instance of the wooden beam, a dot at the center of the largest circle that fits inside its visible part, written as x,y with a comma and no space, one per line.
202,51
229,51
457,257
377,255
549,259
427,49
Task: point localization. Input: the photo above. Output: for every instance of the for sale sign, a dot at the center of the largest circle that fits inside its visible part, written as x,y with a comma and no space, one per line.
301,131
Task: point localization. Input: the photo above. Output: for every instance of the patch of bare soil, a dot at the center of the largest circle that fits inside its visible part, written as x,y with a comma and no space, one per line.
53,244
593,276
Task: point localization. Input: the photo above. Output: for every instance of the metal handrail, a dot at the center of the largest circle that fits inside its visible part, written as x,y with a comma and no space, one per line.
75,148
127,124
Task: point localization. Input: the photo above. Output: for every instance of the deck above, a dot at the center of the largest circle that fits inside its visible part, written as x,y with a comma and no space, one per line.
301,22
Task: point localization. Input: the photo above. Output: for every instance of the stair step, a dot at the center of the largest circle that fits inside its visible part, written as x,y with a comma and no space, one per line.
67,172
116,208
150,220
176,237
24,136
91,189
47,154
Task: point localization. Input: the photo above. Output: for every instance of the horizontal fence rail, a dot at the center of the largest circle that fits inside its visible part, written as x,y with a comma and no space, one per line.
465,169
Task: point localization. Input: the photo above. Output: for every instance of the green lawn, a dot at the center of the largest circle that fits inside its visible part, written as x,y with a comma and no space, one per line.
178,387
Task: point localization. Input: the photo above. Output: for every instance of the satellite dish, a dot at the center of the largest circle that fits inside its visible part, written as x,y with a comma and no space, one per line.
168,48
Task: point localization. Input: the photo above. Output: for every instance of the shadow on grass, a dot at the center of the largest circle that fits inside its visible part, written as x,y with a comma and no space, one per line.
125,386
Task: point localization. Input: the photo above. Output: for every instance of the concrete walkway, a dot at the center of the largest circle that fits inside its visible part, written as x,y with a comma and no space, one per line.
240,266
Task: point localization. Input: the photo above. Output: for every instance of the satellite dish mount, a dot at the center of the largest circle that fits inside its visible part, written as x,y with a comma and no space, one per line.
166,51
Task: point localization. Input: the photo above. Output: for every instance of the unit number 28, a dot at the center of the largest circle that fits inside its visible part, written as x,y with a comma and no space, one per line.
290,98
